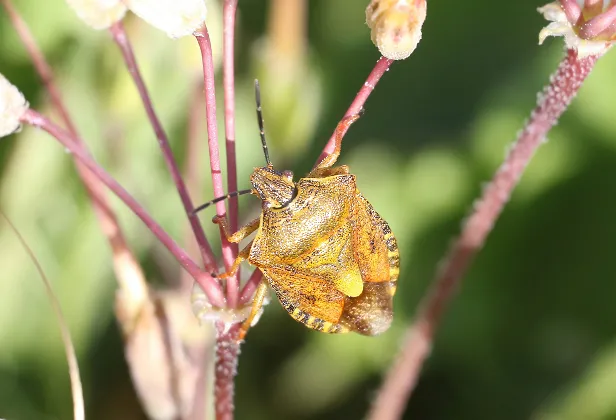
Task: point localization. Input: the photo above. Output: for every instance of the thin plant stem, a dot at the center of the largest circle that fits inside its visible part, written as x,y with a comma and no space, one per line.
69,348
205,45
227,352
210,286
228,79
382,65
250,286
121,39
404,373
127,269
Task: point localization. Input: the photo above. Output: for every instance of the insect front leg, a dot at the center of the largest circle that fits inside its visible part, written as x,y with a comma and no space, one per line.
237,237
257,304
341,129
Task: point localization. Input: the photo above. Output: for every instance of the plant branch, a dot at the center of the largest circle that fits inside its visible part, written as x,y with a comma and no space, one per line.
205,45
360,99
228,79
554,100
127,269
119,36
209,285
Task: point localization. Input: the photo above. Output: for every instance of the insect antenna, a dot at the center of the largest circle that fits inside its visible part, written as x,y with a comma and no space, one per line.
260,120
217,199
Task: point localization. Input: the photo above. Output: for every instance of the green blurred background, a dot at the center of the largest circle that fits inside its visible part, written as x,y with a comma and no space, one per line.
531,333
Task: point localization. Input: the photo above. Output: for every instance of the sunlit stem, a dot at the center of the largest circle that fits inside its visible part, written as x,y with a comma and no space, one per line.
228,80
360,99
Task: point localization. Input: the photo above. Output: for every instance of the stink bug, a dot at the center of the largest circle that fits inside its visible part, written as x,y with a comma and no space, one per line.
331,259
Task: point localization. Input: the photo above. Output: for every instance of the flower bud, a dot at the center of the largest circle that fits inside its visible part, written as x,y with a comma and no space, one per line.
177,18
98,14
13,105
396,26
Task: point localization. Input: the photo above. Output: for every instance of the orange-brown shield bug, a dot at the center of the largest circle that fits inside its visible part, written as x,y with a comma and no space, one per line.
331,259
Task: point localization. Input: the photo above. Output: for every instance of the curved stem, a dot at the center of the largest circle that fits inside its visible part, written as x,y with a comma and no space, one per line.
404,373
119,36
228,79
210,286
69,348
360,99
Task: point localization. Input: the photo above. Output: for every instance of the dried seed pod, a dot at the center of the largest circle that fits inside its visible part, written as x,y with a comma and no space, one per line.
396,26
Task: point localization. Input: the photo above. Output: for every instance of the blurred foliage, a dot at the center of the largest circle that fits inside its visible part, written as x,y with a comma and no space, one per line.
531,333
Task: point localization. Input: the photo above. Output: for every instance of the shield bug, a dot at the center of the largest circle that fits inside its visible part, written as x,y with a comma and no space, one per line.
331,259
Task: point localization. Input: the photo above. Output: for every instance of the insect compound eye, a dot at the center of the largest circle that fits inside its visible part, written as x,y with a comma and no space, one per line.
288,175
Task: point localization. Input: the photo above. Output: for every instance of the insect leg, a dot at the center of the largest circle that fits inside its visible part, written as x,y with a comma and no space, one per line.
244,253
257,303
240,234
341,130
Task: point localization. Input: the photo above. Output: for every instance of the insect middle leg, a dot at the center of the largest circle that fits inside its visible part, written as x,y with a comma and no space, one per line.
341,130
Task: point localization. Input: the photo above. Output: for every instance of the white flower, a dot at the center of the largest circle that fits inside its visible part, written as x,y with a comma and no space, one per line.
177,18
560,26
13,105
98,14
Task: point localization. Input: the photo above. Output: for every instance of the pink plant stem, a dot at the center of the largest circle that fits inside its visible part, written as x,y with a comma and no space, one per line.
119,36
227,352
382,65
228,79
250,286
572,9
404,373
209,285
205,45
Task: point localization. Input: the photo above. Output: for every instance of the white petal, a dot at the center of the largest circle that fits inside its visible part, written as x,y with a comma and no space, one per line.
99,14
554,29
13,105
553,12
176,18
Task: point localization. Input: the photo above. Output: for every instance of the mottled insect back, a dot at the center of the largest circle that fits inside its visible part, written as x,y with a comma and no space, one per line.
331,259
